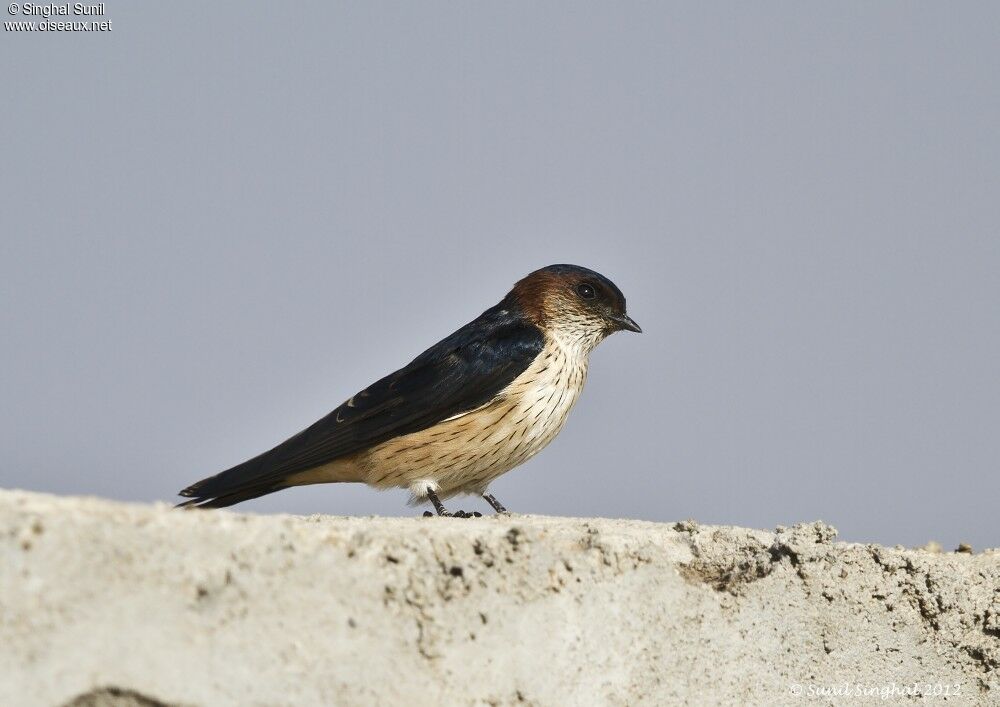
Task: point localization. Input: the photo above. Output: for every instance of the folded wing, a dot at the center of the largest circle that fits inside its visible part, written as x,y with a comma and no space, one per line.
462,372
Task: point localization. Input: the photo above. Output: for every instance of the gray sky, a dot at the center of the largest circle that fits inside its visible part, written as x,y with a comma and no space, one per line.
222,219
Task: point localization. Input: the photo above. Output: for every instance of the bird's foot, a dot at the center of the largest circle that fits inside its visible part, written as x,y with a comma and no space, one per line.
497,506
442,511
456,514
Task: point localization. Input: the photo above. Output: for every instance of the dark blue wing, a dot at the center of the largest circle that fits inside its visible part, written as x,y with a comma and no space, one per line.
458,374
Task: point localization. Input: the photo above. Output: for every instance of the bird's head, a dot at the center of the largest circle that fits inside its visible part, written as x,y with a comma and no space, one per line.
573,302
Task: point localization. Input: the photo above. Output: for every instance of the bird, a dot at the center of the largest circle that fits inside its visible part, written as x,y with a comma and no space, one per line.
473,406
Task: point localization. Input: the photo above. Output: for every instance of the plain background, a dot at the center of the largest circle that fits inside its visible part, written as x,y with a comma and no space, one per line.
222,219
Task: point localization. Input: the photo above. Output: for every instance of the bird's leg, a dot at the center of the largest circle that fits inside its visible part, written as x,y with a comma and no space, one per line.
497,506
442,511
438,506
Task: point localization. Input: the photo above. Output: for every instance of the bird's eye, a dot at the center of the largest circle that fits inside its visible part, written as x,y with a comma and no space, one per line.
586,290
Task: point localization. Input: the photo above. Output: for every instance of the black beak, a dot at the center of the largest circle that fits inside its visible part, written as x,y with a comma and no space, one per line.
625,322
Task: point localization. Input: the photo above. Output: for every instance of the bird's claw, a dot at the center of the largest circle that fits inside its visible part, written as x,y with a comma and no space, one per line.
442,511
456,514
466,514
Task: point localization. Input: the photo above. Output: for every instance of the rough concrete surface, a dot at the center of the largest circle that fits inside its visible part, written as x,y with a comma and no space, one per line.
104,603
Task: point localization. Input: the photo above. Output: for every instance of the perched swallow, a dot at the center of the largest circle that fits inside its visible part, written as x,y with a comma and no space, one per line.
470,408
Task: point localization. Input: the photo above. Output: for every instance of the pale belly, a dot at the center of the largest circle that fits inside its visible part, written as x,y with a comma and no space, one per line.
464,454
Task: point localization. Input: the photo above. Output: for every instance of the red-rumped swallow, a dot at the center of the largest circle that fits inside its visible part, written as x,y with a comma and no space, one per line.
470,408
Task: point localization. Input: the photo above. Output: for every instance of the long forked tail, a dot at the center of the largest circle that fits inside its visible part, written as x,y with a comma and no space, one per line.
200,500
258,477
251,479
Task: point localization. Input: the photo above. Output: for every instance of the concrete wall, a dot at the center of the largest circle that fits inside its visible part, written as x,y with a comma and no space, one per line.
104,603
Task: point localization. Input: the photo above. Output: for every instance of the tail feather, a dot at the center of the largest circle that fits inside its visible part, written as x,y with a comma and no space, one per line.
252,480
226,499
239,483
